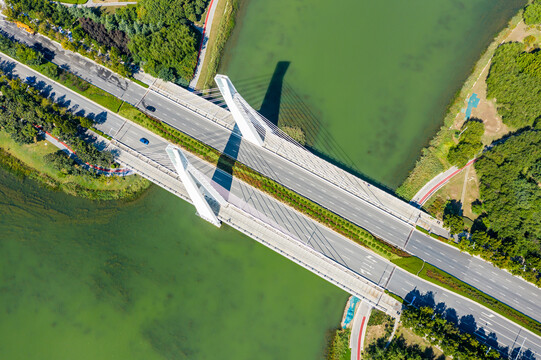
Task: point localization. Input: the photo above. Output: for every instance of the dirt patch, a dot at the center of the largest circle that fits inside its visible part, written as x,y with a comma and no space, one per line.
451,190
522,30
373,333
412,339
471,193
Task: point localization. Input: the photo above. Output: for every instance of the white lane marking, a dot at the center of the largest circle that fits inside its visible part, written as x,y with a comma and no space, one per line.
364,272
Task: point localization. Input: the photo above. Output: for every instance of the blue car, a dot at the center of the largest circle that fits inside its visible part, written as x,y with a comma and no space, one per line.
144,141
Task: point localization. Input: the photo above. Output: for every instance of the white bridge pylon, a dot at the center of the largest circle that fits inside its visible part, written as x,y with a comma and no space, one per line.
244,115
196,185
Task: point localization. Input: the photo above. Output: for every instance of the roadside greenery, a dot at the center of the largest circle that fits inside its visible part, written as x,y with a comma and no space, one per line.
27,161
157,35
514,81
22,108
439,277
338,348
36,61
508,233
452,217
446,335
469,143
532,13
217,44
398,349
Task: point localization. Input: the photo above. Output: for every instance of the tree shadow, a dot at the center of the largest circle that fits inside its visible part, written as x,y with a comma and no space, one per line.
7,67
47,53
453,207
63,102
467,324
100,118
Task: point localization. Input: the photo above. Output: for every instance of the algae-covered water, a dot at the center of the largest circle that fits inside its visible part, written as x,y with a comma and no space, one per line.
368,81
147,280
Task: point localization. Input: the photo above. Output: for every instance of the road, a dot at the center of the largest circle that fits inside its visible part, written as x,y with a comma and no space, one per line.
207,28
329,243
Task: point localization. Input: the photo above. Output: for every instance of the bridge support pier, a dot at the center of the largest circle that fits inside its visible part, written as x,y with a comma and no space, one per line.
198,188
247,119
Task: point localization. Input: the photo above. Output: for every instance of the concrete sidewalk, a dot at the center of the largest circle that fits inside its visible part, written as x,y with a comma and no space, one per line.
358,331
436,183
207,28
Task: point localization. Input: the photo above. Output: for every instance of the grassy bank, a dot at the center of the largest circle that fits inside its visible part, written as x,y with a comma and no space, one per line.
439,277
433,158
28,161
338,347
222,26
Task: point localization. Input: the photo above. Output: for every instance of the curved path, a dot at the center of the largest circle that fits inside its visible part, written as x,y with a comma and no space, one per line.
436,183
65,147
204,42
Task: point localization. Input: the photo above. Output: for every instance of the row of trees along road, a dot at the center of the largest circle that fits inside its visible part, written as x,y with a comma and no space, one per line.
438,332
22,108
158,35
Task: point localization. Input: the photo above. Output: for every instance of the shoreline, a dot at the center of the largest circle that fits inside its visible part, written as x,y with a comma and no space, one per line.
221,29
12,160
433,158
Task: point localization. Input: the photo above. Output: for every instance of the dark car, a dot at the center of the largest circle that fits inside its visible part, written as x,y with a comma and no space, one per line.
144,141
151,108
30,79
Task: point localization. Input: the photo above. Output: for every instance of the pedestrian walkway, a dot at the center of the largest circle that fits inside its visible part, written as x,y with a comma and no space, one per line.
358,331
436,183
71,153
207,28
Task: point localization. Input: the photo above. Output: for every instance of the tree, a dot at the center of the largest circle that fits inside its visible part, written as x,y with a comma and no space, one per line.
514,82
532,13
30,133
86,122
469,143
50,70
477,207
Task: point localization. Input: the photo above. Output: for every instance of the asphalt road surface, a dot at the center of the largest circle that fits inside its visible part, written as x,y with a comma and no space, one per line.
498,283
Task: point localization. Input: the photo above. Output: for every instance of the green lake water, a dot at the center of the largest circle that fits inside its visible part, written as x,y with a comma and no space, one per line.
375,75
147,280
367,80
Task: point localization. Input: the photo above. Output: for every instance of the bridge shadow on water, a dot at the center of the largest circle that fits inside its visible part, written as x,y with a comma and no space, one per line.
287,109
468,324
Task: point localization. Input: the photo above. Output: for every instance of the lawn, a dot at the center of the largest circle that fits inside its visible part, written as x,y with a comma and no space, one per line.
102,188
